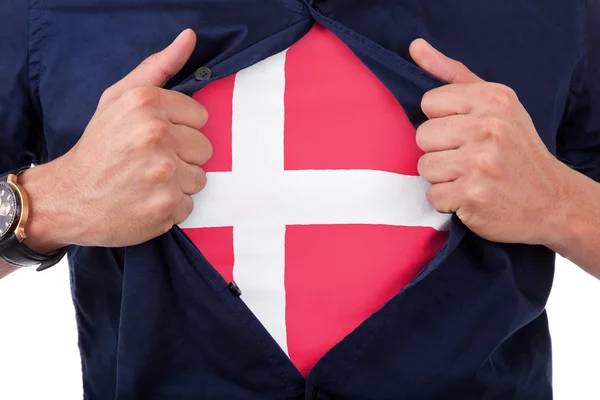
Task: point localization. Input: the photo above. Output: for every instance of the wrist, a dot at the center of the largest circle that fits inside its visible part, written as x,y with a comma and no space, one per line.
566,222
48,227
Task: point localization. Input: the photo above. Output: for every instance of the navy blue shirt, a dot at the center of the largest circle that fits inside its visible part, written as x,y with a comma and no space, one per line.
156,321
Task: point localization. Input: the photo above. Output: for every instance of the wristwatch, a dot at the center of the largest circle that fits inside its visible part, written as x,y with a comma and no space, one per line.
14,210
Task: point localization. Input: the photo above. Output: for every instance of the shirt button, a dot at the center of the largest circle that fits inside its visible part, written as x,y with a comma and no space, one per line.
316,394
235,289
203,73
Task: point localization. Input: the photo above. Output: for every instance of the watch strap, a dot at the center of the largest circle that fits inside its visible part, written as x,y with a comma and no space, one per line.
18,254
13,172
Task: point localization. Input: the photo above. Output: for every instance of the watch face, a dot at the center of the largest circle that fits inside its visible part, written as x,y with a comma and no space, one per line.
8,209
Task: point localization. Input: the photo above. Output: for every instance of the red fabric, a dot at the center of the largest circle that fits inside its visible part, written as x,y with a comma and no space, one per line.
338,275
216,97
337,116
216,245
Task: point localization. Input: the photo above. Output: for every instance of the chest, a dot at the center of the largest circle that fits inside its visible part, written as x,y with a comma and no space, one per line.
79,48
312,172
313,180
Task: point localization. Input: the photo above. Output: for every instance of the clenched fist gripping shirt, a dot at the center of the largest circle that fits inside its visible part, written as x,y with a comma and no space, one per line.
313,206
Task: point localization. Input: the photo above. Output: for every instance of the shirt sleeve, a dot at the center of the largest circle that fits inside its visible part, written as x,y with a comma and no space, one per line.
21,142
578,142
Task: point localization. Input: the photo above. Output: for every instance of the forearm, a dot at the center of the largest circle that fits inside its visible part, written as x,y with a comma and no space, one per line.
574,232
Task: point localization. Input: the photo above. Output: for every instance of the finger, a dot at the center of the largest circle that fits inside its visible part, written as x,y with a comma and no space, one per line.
443,198
468,98
444,133
454,99
183,210
190,178
442,166
157,69
191,146
437,64
182,110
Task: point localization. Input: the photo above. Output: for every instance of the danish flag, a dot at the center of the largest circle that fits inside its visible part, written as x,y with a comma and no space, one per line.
313,204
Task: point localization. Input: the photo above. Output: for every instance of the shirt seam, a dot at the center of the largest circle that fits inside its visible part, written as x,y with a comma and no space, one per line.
34,27
580,75
33,43
301,14
585,39
383,54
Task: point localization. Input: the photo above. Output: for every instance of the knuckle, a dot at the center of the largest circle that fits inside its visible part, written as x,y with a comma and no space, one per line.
203,114
502,99
431,196
207,149
152,63
422,165
184,209
486,161
184,213
162,170
492,128
460,66
108,95
500,95
427,100
187,207
475,194
436,199
154,133
150,60
140,97
507,91
490,163
199,180
421,136
167,205
459,70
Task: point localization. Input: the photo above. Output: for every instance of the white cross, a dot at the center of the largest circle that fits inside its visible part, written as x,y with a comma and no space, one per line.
258,198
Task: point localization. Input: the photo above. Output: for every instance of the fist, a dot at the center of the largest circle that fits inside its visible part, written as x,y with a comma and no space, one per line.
131,175
483,156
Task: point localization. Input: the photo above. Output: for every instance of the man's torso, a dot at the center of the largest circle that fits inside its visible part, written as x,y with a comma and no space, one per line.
81,47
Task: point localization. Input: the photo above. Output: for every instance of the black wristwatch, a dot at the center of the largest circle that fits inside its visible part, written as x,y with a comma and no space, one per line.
14,210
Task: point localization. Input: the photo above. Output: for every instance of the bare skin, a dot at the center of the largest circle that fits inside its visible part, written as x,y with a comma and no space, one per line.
130,177
487,163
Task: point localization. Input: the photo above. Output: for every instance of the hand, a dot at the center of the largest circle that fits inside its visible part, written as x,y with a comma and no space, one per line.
130,176
484,158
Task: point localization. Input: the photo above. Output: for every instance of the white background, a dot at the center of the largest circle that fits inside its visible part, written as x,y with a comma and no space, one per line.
39,357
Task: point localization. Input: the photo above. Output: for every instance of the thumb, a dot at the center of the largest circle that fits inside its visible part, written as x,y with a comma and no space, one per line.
157,69
439,65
